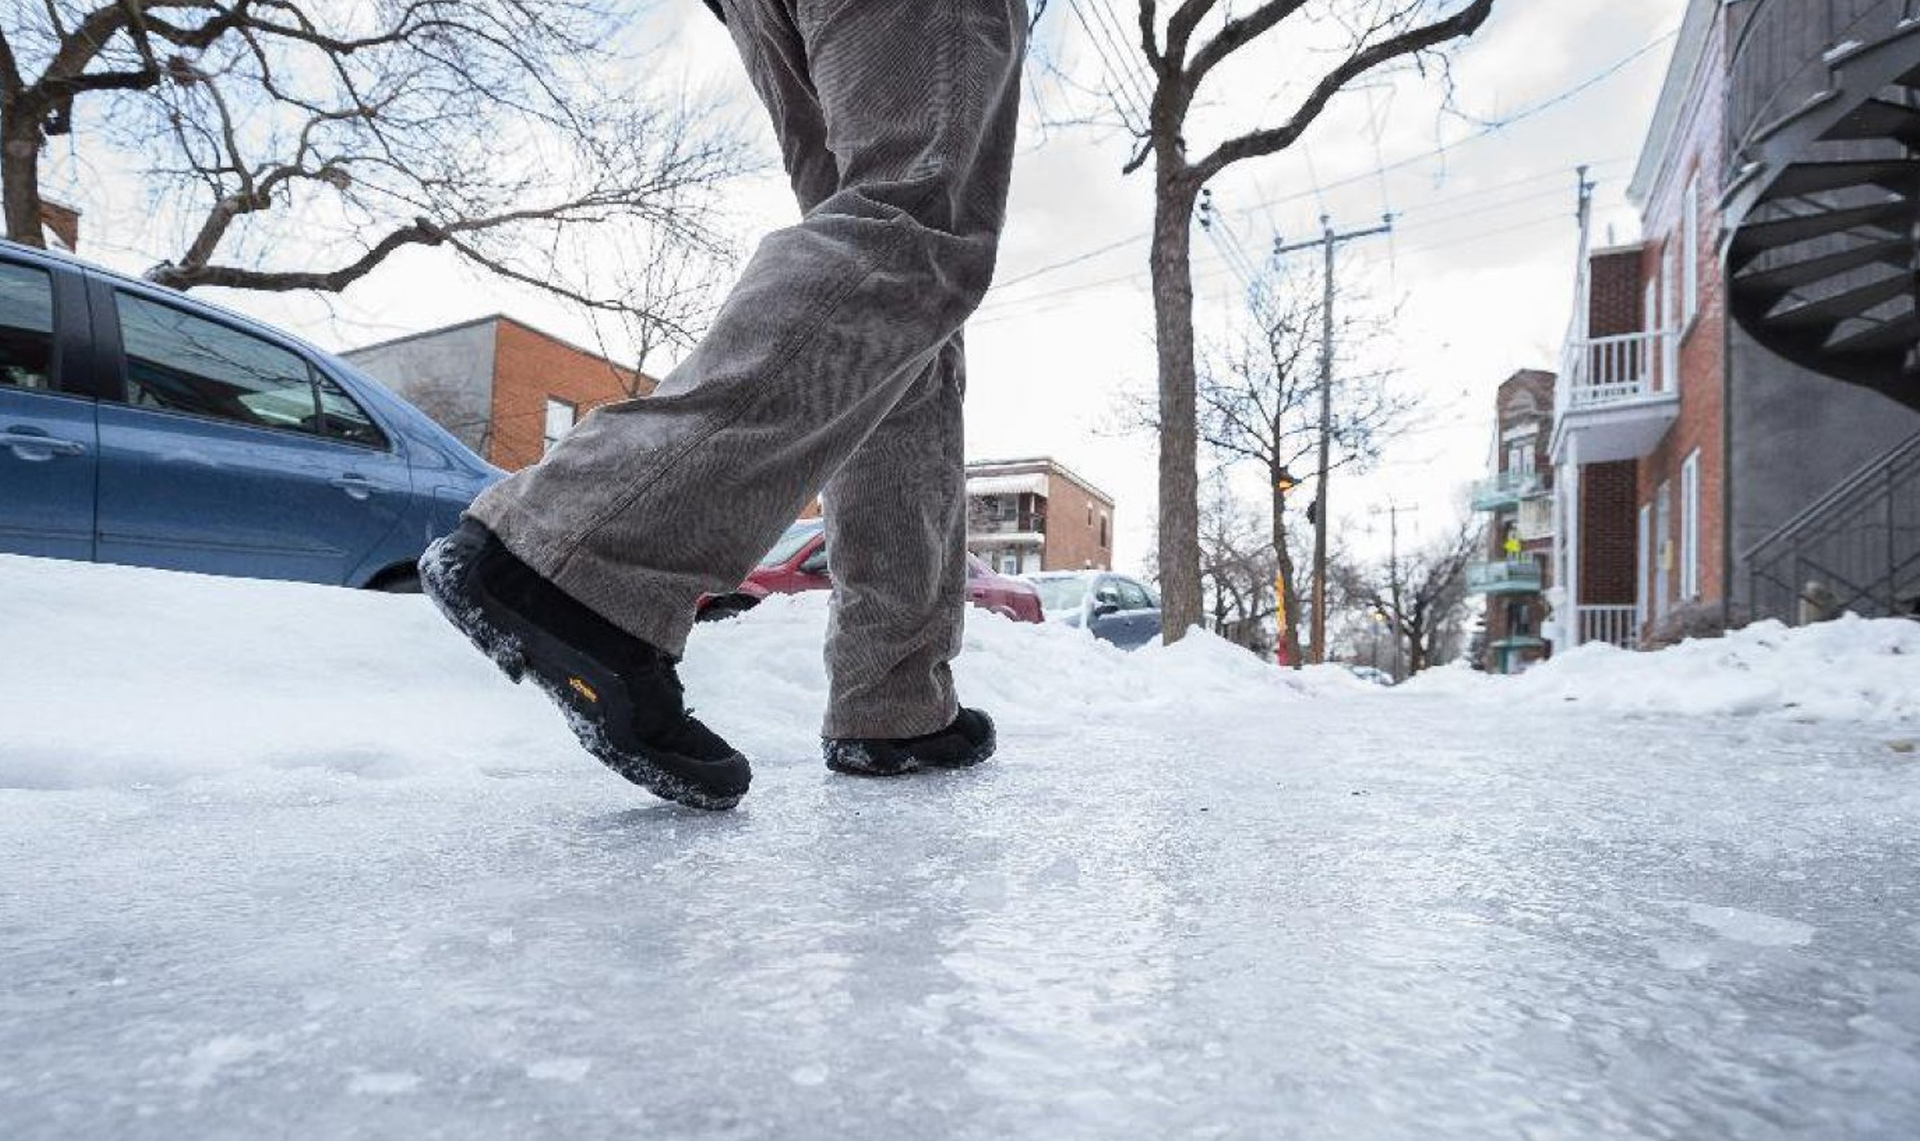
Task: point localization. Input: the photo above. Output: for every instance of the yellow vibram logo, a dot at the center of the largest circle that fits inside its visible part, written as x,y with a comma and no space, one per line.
583,689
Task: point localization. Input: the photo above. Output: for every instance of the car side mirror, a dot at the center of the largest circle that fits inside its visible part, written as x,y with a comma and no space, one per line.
1102,609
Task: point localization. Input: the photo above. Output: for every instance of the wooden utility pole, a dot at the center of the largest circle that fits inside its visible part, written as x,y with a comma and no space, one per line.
1392,511
1327,240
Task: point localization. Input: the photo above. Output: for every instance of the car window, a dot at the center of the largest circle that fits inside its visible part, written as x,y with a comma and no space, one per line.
1133,596
790,543
26,327
1107,591
1060,594
342,418
183,363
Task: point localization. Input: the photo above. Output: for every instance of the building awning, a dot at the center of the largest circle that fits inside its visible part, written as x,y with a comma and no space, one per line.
1034,483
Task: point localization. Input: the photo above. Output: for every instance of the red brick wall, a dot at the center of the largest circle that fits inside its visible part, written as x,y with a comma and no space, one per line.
1072,542
1694,153
1608,533
1614,292
529,368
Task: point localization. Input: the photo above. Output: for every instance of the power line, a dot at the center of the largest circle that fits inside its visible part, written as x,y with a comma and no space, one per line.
1487,128
1006,306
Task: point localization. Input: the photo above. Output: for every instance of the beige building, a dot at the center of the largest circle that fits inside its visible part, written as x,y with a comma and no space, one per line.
1034,514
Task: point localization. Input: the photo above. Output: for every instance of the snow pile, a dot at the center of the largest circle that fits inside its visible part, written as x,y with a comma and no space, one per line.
1850,669
139,676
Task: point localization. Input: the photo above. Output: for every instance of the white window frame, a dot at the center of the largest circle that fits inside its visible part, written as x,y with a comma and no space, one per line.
549,435
1690,525
1690,252
1644,586
1662,548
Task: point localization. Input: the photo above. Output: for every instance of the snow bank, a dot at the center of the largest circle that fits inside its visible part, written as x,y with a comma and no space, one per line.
121,676
1850,669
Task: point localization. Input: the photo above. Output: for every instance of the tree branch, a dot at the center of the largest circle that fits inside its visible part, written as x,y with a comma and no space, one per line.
1237,34
1265,142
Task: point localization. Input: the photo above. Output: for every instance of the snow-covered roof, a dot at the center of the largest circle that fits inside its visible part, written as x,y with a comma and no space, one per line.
1029,482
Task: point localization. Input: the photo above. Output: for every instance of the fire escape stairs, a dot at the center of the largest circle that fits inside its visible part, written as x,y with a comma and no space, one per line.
1821,221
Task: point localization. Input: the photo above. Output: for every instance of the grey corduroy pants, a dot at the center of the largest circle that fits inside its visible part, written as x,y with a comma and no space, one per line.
835,366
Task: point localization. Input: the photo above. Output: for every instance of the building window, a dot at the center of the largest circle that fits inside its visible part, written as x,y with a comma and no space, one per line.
1089,514
1009,563
1669,283
1690,526
1644,563
559,422
1690,252
1103,530
1662,548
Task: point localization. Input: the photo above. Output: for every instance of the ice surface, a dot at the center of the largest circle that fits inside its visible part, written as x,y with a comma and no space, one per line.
288,861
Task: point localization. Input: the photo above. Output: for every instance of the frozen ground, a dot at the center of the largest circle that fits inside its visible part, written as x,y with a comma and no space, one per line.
288,862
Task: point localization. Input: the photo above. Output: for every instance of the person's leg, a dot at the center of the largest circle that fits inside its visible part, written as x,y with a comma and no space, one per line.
896,542
648,503
896,510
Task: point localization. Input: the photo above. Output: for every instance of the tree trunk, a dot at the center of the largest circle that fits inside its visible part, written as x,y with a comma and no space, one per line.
1289,597
20,174
1171,262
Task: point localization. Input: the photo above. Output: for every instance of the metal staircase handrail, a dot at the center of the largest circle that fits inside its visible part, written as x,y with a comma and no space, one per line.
1908,450
1740,134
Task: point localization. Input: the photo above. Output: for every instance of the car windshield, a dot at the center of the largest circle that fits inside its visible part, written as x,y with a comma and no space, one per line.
795,538
1057,594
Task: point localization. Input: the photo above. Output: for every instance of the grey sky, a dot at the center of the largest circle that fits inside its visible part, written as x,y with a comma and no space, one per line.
1481,263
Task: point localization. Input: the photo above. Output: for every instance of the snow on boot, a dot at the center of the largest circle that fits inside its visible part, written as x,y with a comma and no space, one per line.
967,741
621,696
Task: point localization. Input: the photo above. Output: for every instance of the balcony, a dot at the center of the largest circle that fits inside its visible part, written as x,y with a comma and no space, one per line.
1616,397
1618,625
1505,490
1508,576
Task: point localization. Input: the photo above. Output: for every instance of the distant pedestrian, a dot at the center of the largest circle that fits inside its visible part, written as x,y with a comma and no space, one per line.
834,367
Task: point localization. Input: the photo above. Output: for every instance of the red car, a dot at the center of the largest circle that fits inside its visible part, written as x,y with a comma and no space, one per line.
798,562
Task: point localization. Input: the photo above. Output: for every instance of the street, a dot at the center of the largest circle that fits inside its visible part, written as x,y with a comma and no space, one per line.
1341,912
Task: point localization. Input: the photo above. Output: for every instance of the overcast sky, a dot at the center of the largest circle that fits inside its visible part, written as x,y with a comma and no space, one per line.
1480,264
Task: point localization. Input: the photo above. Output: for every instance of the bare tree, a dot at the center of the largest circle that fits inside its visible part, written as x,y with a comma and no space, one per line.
1259,403
1236,569
1183,48
298,146
1420,597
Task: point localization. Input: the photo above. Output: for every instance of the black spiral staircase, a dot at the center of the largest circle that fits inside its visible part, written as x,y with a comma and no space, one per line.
1822,210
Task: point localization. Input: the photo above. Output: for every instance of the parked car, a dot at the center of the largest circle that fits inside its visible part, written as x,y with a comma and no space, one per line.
1371,674
1113,607
143,427
798,562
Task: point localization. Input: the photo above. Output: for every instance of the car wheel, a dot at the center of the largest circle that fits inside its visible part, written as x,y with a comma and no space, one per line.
721,609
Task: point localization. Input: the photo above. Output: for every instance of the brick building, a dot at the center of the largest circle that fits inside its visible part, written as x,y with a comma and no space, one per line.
1737,415
505,388
1517,498
1034,515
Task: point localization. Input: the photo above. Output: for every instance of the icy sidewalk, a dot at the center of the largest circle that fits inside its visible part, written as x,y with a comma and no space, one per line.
282,861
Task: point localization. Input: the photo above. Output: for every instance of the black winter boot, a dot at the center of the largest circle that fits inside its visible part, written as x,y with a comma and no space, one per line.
621,696
967,741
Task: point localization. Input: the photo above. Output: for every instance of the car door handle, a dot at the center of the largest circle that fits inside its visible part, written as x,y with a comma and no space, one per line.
355,485
33,444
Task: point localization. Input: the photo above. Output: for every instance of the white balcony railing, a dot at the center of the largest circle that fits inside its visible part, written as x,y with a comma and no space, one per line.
1619,625
1603,371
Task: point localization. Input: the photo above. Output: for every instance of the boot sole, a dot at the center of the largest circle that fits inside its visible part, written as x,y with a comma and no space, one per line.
529,654
840,760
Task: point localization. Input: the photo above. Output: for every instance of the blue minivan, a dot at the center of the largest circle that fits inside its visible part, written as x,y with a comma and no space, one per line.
139,426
